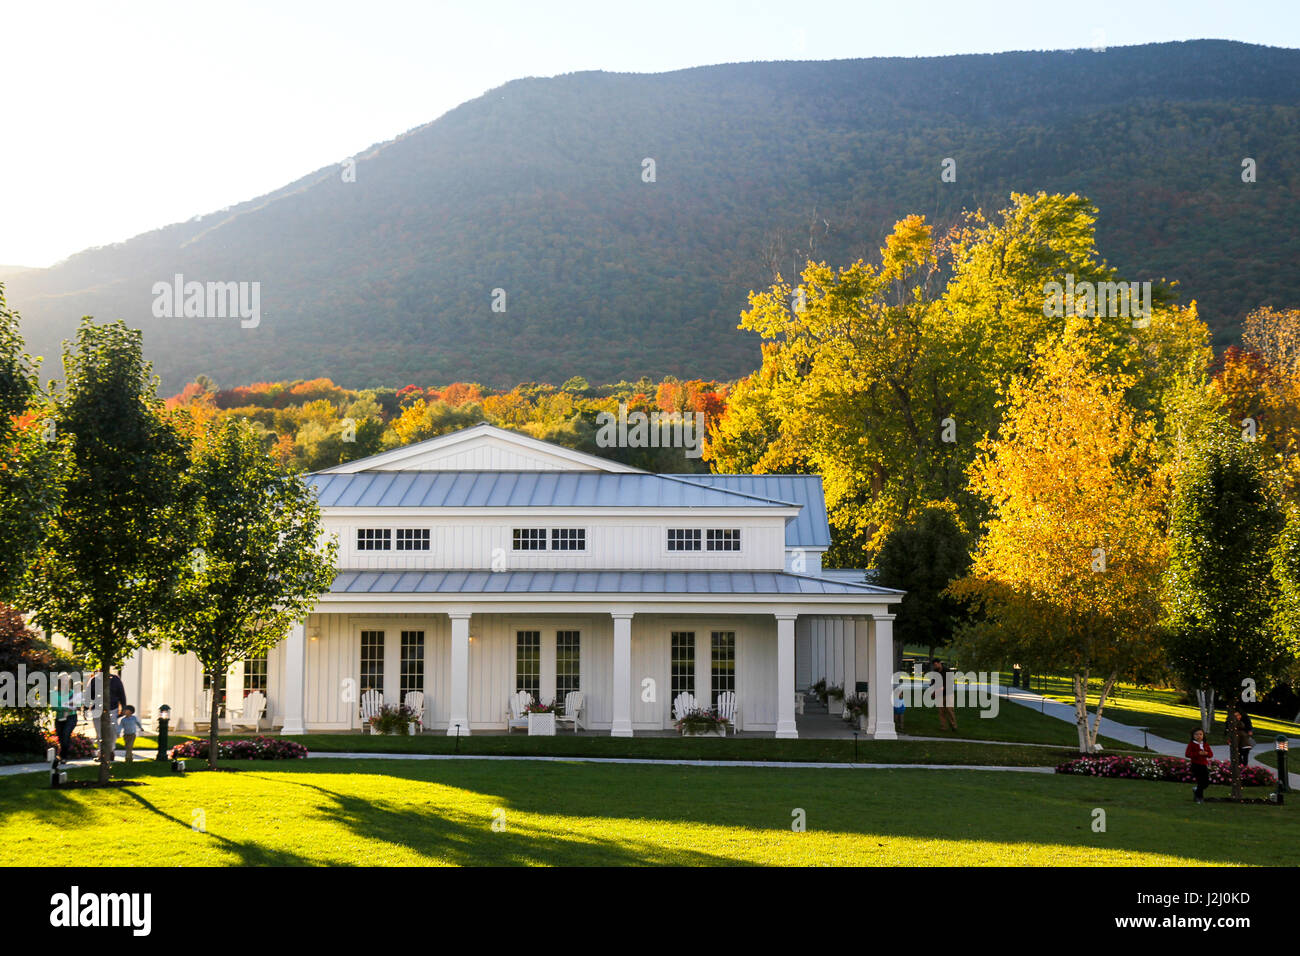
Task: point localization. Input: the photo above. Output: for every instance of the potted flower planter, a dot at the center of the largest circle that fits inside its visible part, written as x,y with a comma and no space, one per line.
835,705
701,732
541,725
410,728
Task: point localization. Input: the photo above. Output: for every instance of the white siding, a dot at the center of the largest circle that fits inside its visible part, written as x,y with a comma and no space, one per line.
459,542
335,657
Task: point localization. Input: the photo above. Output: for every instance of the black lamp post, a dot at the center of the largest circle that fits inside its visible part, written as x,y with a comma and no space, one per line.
164,720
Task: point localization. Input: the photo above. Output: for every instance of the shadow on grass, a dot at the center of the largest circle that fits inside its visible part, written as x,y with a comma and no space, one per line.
464,838
250,854
891,805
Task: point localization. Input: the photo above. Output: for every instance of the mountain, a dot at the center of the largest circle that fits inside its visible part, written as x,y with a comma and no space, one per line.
537,188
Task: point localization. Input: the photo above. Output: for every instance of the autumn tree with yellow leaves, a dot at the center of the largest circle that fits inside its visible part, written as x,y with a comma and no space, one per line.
1066,576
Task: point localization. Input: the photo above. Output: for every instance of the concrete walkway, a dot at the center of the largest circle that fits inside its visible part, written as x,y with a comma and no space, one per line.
15,769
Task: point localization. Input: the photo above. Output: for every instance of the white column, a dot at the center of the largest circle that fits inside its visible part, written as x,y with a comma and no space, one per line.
622,726
850,648
458,703
295,680
785,726
882,698
870,626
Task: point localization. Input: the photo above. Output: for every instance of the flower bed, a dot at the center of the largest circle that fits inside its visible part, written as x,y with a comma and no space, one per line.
1174,769
81,747
259,748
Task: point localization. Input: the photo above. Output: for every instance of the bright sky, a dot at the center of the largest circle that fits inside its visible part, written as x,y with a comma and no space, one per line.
118,118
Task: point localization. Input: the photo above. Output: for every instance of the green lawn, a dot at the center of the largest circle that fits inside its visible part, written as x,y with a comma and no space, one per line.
393,813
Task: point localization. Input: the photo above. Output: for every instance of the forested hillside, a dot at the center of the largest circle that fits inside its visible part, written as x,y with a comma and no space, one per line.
537,189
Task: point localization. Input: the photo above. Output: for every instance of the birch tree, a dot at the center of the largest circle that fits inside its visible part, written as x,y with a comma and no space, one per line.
1067,572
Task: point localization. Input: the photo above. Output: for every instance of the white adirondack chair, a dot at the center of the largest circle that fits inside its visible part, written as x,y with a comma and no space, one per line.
573,708
728,709
203,715
414,700
252,714
515,705
372,702
683,704
798,702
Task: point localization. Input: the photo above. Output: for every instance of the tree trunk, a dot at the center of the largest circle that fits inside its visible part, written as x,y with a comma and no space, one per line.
1205,700
1101,703
1080,682
212,728
106,742
1230,720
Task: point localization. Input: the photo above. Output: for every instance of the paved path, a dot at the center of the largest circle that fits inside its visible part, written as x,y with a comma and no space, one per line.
783,764
14,769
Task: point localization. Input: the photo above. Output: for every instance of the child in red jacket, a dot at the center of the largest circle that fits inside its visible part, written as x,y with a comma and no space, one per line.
1200,754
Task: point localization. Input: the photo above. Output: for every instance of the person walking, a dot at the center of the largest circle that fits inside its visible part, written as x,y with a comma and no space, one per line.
1200,754
65,715
945,694
115,702
1245,736
131,726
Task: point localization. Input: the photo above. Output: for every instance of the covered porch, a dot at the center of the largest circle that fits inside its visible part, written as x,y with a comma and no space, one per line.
629,651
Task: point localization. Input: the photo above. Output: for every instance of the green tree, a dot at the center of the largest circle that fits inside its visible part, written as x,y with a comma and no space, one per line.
923,557
1286,576
258,565
30,458
104,573
1221,590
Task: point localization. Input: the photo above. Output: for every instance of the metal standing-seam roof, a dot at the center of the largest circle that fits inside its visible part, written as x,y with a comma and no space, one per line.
809,529
592,582
524,489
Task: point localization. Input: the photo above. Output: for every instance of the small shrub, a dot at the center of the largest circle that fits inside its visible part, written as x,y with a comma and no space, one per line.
259,748
80,746
1174,769
855,706
21,737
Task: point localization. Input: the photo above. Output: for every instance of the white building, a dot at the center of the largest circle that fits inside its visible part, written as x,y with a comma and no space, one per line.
483,562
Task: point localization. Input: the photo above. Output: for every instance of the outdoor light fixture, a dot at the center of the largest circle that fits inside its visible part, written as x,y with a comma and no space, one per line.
57,777
1282,785
164,720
